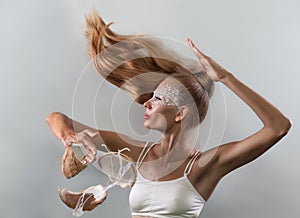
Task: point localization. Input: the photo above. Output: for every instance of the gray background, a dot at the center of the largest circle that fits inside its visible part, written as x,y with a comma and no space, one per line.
43,53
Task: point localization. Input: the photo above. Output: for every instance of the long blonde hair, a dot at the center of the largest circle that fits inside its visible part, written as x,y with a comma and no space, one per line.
138,63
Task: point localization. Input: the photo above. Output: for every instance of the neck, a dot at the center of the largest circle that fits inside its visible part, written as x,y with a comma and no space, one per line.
174,145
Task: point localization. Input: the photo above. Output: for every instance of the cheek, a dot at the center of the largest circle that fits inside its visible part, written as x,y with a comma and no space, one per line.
158,119
166,118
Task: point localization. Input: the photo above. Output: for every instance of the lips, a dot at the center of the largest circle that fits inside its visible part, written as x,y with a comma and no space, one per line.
146,116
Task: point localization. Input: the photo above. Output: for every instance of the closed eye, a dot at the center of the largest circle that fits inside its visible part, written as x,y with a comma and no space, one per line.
157,98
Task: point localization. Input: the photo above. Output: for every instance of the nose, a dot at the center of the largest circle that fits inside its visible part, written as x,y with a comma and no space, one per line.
147,104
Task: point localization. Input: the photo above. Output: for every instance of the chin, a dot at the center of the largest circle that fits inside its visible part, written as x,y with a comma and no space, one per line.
148,126
161,127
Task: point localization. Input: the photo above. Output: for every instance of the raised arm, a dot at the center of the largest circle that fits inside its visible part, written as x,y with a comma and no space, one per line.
232,155
275,126
68,131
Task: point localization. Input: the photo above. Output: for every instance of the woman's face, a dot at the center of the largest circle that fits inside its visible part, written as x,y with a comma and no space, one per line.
162,108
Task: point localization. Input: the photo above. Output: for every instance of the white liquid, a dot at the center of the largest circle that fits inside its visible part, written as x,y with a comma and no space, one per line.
98,191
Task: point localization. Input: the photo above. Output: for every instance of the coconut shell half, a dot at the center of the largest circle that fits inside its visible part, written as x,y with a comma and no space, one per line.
71,166
71,198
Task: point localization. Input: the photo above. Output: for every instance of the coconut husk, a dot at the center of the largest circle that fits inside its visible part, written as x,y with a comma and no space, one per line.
71,166
71,198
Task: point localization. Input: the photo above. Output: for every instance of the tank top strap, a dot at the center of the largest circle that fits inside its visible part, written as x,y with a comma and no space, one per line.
191,163
143,154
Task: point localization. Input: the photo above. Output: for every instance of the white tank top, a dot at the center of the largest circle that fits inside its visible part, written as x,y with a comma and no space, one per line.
175,198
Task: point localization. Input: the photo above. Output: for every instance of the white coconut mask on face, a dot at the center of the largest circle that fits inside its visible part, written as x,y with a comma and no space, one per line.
167,95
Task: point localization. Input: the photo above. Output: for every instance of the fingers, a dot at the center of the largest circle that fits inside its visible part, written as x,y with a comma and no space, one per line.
196,51
206,64
203,66
91,156
91,149
204,60
87,159
68,140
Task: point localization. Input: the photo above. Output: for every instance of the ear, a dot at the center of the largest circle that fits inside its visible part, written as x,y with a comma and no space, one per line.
183,111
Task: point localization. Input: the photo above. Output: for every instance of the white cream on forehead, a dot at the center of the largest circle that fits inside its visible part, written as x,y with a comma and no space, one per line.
168,95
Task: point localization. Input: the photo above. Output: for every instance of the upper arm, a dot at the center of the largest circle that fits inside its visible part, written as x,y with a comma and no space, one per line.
115,141
232,155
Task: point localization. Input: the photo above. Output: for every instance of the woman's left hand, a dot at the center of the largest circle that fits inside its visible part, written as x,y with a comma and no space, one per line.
213,70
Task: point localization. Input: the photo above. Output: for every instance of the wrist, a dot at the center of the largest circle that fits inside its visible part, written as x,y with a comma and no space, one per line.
68,137
68,134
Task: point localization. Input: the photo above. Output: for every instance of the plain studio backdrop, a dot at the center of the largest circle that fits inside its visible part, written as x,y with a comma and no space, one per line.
44,52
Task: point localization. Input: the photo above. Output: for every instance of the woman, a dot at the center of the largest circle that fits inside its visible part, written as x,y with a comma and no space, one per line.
174,178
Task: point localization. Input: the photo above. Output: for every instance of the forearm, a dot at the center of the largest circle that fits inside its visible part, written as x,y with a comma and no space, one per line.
67,130
60,124
270,116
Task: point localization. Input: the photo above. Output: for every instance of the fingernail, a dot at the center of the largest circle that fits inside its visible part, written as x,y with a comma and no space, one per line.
84,161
